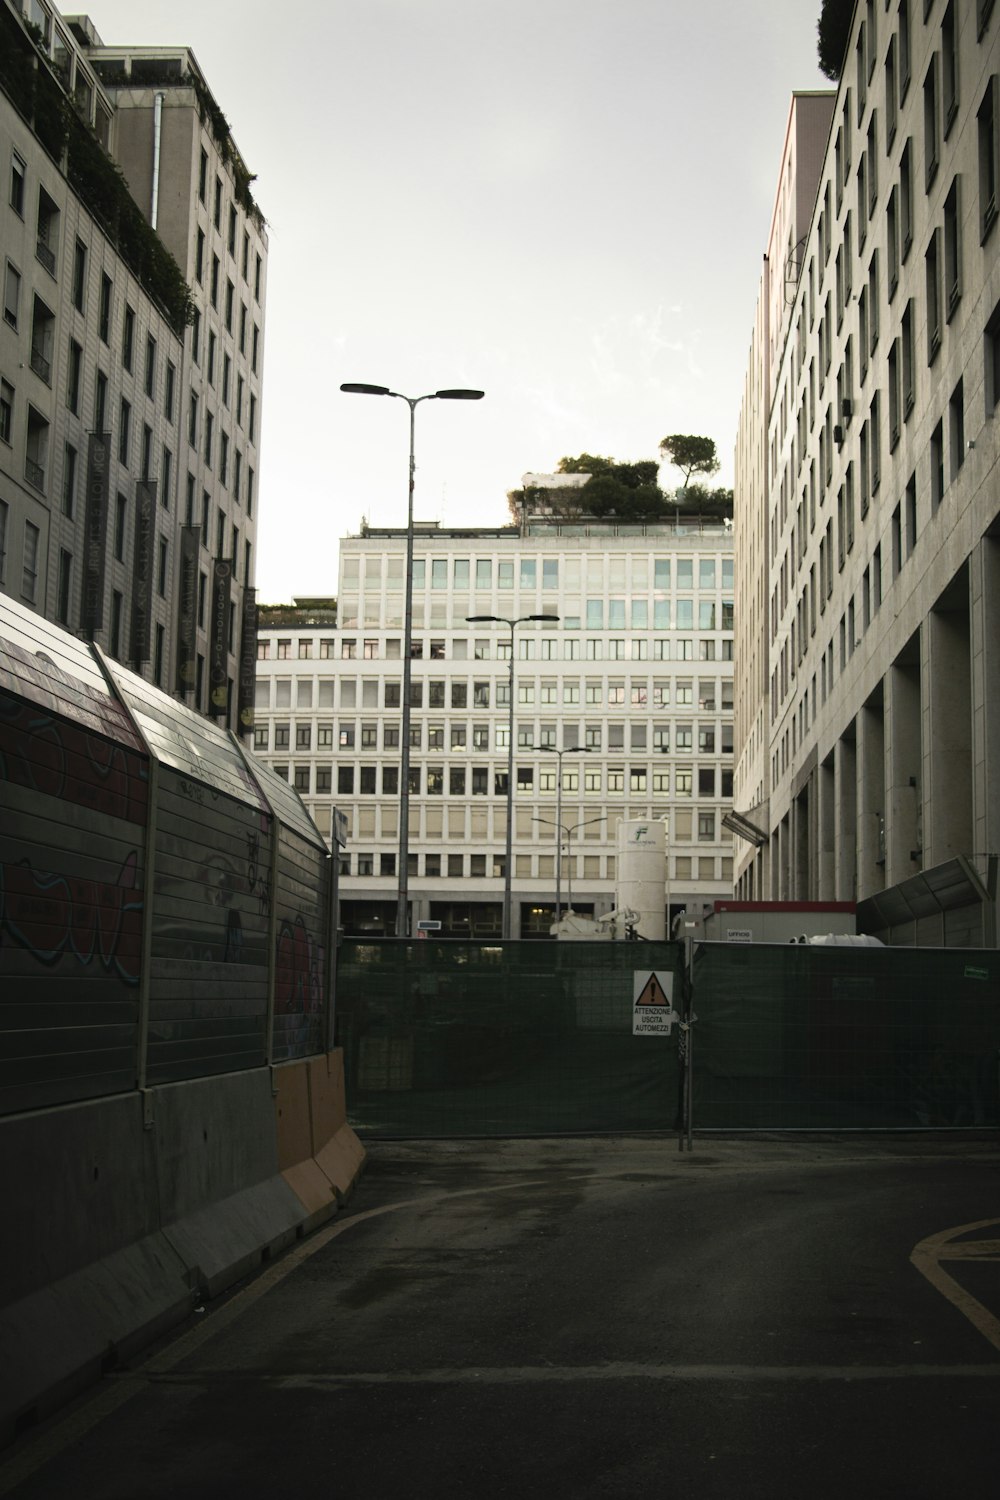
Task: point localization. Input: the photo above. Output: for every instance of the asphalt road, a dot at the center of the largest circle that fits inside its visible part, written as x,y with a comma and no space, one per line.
586,1319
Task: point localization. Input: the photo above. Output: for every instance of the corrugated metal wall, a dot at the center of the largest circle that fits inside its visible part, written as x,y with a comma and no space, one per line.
97,768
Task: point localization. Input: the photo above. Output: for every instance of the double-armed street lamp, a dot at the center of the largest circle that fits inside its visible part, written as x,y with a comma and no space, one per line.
569,832
353,388
512,626
566,750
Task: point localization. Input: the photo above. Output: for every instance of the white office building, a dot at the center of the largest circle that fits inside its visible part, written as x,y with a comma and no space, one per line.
634,684
866,502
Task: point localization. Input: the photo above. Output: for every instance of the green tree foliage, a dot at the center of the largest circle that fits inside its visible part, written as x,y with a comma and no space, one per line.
631,491
692,455
833,33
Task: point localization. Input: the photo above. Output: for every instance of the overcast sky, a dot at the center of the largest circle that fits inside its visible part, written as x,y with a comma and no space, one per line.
561,202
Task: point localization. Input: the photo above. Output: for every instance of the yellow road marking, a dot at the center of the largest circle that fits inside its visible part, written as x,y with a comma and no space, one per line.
928,1255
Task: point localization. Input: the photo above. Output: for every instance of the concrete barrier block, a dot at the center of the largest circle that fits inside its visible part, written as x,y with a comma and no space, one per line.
342,1160
291,1114
323,1096
76,1184
314,1191
214,1137
224,1240
57,1340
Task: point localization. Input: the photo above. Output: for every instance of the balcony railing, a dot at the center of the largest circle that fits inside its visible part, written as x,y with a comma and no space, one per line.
34,474
46,256
41,366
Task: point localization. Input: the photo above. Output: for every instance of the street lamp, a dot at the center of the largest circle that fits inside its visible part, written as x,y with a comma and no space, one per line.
566,750
354,389
569,832
511,625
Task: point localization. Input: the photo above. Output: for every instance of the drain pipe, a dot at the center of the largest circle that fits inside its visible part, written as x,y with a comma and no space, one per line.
157,131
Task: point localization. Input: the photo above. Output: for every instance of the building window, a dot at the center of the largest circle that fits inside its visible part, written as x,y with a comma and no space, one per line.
36,454
73,377
905,201
79,274
29,562
63,593
6,411
932,124
17,176
128,338
937,466
988,159
104,309
949,68
952,249
11,295
69,480
933,280
956,426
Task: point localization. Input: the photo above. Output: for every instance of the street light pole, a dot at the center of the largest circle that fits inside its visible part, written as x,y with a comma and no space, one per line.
566,750
508,857
562,829
403,872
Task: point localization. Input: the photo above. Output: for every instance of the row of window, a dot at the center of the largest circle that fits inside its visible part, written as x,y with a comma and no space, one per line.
365,864
482,781
278,736
455,694
551,574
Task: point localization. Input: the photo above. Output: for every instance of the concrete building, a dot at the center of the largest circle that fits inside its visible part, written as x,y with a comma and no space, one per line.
131,352
634,683
866,504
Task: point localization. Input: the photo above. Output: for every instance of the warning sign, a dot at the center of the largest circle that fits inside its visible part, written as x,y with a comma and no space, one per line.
653,1011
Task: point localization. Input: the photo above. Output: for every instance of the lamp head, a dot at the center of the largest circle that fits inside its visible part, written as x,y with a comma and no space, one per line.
459,395
354,389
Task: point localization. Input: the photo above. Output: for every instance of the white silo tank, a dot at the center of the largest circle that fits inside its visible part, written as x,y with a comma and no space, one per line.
642,873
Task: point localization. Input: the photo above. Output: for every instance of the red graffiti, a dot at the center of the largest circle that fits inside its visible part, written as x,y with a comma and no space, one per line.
51,914
64,760
299,975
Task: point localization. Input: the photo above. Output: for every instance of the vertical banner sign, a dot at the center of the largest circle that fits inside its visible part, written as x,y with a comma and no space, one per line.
187,608
218,638
142,570
248,660
95,533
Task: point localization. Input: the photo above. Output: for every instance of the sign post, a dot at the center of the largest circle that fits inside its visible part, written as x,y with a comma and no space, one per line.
653,1011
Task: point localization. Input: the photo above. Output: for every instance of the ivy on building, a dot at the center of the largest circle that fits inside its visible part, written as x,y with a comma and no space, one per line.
26,78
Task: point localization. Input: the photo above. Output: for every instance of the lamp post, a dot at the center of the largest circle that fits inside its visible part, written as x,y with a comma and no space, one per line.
569,832
566,750
512,626
403,873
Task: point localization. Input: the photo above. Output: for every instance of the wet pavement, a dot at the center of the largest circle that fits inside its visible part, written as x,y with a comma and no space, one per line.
771,1316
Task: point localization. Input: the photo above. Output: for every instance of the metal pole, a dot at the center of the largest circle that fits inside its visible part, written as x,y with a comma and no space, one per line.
403,873
559,835
510,791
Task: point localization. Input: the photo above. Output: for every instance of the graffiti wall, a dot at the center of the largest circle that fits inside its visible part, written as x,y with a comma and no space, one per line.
72,830
300,961
91,758
210,927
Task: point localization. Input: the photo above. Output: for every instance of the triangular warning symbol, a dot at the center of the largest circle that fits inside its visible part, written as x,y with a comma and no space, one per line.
652,993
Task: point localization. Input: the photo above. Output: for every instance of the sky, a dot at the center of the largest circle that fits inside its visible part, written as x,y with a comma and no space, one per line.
563,203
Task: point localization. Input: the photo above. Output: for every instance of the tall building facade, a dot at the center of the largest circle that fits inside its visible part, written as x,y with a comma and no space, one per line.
869,722
633,682
131,353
